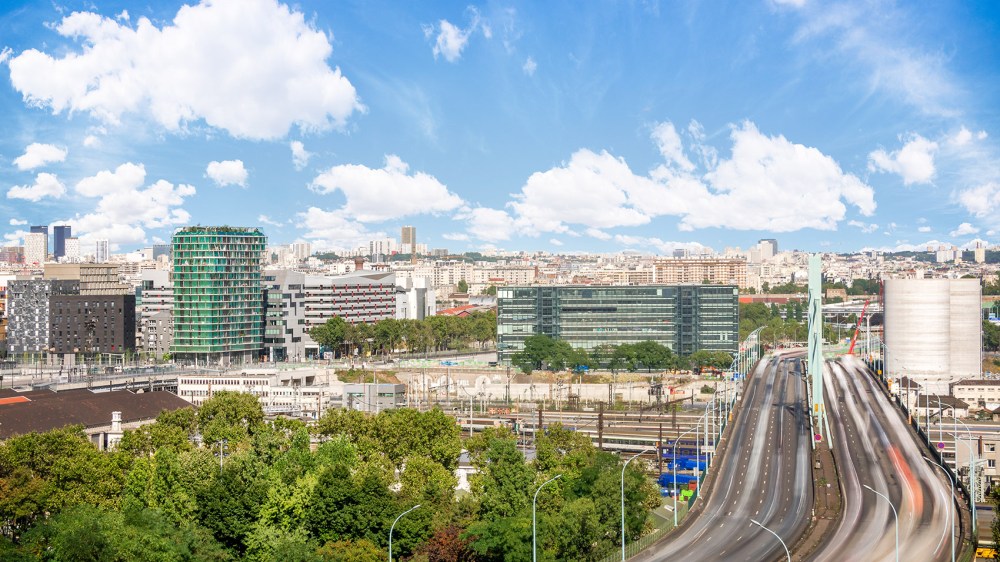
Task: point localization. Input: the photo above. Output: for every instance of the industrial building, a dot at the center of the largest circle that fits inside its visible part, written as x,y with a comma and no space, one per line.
685,318
218,296
933,331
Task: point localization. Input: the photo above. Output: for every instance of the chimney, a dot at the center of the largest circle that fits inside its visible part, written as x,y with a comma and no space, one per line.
359,263
116,422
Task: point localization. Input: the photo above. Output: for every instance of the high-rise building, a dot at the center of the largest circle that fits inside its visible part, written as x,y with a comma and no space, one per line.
34,248
408,240
301,250
218,295
685,318
72,249
768,248
59,236
101,252
42,229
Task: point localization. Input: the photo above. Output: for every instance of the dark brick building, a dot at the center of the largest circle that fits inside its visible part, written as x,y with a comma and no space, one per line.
91,324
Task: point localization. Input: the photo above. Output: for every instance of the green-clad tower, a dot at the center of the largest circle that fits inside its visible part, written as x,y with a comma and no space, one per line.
218,311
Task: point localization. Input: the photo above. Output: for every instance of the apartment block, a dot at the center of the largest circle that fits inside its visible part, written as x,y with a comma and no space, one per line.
91,324
94,278
701,270
28,309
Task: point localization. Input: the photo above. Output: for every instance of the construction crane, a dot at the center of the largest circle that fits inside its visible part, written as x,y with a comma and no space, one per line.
857,328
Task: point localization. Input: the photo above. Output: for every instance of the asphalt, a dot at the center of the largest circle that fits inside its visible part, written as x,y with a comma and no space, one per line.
873,447
764,475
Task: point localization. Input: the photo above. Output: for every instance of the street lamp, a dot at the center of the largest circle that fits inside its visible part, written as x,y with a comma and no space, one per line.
673,463
951,516
894,514
534,532
393,526
646,450
787,554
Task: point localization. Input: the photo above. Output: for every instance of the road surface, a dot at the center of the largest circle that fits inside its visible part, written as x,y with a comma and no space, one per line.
873,447
764,475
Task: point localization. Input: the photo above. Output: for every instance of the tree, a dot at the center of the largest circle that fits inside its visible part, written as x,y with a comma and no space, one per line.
463,286
491,290
233,416
991,336
332,334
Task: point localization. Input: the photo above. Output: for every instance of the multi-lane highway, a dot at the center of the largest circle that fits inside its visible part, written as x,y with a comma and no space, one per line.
764,475
873,448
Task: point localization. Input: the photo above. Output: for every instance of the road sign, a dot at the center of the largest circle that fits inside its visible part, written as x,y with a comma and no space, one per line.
941,446
818,437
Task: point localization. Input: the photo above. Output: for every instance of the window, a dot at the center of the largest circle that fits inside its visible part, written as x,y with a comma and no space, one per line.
991,463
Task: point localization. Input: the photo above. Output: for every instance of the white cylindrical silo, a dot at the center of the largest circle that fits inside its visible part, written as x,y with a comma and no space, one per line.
966,327
918,328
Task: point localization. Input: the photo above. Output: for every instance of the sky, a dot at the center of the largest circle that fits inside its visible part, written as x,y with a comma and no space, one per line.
561,126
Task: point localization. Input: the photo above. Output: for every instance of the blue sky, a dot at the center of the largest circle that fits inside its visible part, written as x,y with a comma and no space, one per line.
562,126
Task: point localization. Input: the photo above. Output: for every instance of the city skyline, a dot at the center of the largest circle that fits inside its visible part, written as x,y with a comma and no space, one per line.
551,127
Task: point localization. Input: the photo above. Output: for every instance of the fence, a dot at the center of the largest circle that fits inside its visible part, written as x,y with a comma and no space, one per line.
662,527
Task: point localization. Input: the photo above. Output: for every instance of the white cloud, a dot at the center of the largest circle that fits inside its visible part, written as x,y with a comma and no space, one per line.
964,136
46,185
914,162
963,229
491,225
300,156
330,230
456,236
264,219
16,222
669,143
769,183
5,54
267,72
792,3
450,41
530,66
125,208
597,233
924,229
555,242
866,228
981,200
91,141
227,172
374,195
38,154
659,246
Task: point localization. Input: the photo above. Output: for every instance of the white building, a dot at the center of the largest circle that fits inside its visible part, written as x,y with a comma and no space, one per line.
72,250
35,250
303,393
101,253
415,298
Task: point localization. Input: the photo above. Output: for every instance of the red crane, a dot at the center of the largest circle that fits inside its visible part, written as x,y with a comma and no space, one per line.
857,328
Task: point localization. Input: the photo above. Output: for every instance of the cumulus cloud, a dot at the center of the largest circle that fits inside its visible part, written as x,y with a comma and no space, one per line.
646,244
46,185
597,233
38,154
924,229
91,141
126,207
963,229
374,195
914,162
555,242
264,219
530,66
330,230
16,222
450,40
300,156
227,172
490,225
267,72
768,183
981,200
456,236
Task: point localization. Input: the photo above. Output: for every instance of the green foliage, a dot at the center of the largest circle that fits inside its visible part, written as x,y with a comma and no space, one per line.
233,416
463,286
332,334
991,336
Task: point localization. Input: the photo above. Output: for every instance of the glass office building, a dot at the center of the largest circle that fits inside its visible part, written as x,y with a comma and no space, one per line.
685,318
218,297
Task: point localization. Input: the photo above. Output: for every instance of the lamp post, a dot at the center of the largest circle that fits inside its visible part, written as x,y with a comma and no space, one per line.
393,526
894,514
972,475
646,450
951,516
534,532
787,553
673,464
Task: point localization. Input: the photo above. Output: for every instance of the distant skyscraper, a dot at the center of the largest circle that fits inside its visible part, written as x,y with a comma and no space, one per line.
72,249
408,239
59,235
35,248
101,251
42,229
768,248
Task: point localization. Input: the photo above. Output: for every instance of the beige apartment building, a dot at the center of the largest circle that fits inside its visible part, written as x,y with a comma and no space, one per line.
678,271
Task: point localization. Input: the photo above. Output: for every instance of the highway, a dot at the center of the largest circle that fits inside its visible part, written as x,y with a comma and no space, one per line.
764,475
873,447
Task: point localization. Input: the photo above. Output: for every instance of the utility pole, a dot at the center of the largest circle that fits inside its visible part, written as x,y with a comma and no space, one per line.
659,450
600,427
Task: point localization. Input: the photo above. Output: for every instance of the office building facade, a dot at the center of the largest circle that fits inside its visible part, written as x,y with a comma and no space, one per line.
218,296
91,324
59,236
35,244
101,251
685,318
